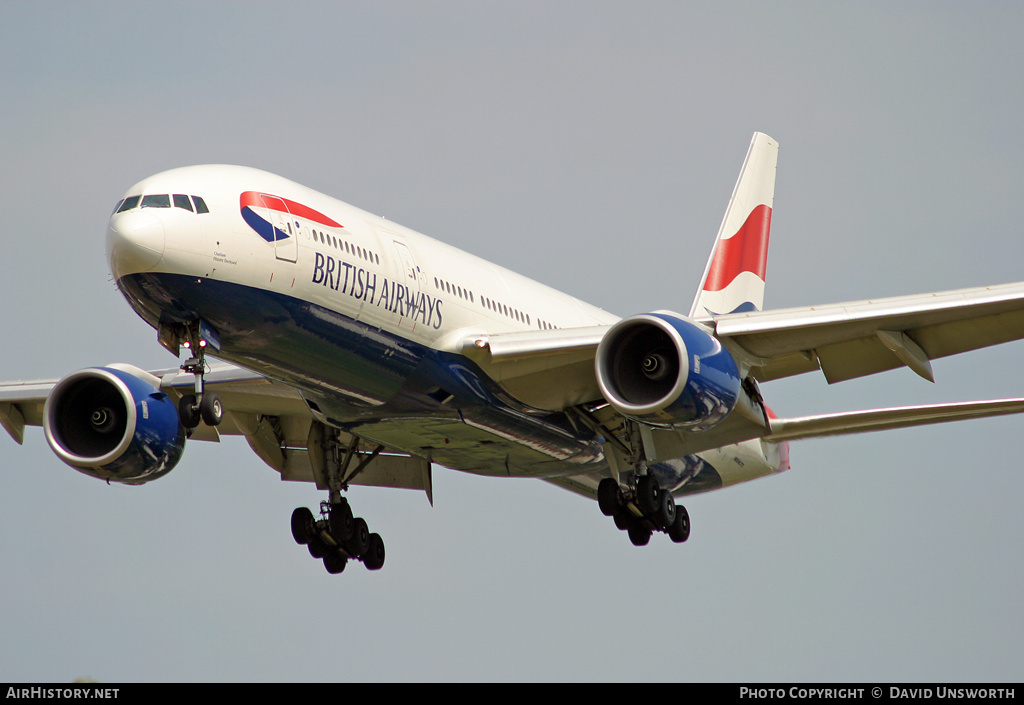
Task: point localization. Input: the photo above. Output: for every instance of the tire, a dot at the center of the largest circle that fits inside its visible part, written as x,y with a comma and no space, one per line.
317,547
211,410
665,515
357,544
639,535
340,522
303,526
373,559
608,496
623,519
188,413
647,494
680,530
334,562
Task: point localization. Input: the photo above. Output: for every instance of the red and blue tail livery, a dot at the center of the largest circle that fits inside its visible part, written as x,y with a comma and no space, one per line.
735,275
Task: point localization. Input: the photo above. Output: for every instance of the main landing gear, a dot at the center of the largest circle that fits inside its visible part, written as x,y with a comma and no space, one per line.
643,509
337,536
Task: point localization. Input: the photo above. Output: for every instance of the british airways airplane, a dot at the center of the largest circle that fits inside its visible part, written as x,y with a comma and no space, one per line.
354,351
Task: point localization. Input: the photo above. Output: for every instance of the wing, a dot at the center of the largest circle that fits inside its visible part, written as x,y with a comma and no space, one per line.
555,369
860,338
272,416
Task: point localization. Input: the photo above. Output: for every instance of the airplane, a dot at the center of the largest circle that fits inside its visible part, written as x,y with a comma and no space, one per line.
348,350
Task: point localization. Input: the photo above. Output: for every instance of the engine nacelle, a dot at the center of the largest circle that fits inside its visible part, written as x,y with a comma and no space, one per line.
664,370
114,425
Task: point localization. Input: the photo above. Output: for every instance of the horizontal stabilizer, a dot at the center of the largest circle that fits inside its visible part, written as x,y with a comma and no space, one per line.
885,419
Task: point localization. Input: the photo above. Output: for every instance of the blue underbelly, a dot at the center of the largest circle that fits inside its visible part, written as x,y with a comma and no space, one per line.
379,385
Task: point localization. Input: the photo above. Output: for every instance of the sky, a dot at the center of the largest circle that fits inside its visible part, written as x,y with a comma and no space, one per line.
591,146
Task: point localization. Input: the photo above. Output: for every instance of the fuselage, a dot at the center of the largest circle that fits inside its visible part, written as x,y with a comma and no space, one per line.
361,315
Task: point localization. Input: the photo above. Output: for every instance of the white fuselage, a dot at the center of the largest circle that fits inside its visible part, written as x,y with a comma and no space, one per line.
382,292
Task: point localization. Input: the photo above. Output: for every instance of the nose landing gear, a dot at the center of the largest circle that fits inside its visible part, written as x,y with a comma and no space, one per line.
201,406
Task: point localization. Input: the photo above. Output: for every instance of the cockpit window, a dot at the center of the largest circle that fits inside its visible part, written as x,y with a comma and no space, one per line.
158,200
163,200
128,203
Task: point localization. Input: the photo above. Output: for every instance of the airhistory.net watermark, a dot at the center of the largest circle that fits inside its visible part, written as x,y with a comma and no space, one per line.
64,693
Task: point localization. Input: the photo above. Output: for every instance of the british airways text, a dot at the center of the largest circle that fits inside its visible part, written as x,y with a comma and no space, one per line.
364,285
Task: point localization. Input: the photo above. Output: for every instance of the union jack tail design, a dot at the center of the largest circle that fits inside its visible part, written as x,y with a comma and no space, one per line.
734,277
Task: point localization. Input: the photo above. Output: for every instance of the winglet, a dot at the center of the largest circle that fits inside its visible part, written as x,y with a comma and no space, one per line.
735,274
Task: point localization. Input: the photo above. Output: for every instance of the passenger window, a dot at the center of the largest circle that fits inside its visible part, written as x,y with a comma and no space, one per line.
156,200
200,205
181,201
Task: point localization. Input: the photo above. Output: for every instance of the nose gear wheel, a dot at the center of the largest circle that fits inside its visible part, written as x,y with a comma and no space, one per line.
201,406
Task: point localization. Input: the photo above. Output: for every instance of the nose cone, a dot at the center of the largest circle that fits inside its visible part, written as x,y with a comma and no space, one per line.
135,242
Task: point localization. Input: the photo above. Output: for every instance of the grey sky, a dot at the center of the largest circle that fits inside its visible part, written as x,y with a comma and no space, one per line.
592,146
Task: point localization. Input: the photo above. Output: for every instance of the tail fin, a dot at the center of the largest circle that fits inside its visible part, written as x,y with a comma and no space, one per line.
734,277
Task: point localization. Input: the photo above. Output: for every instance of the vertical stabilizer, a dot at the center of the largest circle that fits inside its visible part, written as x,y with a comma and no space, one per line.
734,277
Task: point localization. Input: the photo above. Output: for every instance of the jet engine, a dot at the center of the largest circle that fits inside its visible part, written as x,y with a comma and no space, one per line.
664,370
115,425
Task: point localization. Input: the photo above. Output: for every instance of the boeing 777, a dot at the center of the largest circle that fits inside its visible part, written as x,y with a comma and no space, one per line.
354,351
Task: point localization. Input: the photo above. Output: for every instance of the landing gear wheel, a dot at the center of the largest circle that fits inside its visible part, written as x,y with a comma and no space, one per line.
623,519
334,562
665,515
608,496
303,525
340,522
373,559
317,547
357,544
188,411
211,410
647,493
639,535
680,530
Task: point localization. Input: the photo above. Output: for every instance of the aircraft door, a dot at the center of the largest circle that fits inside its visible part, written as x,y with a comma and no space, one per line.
409,269
286,232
